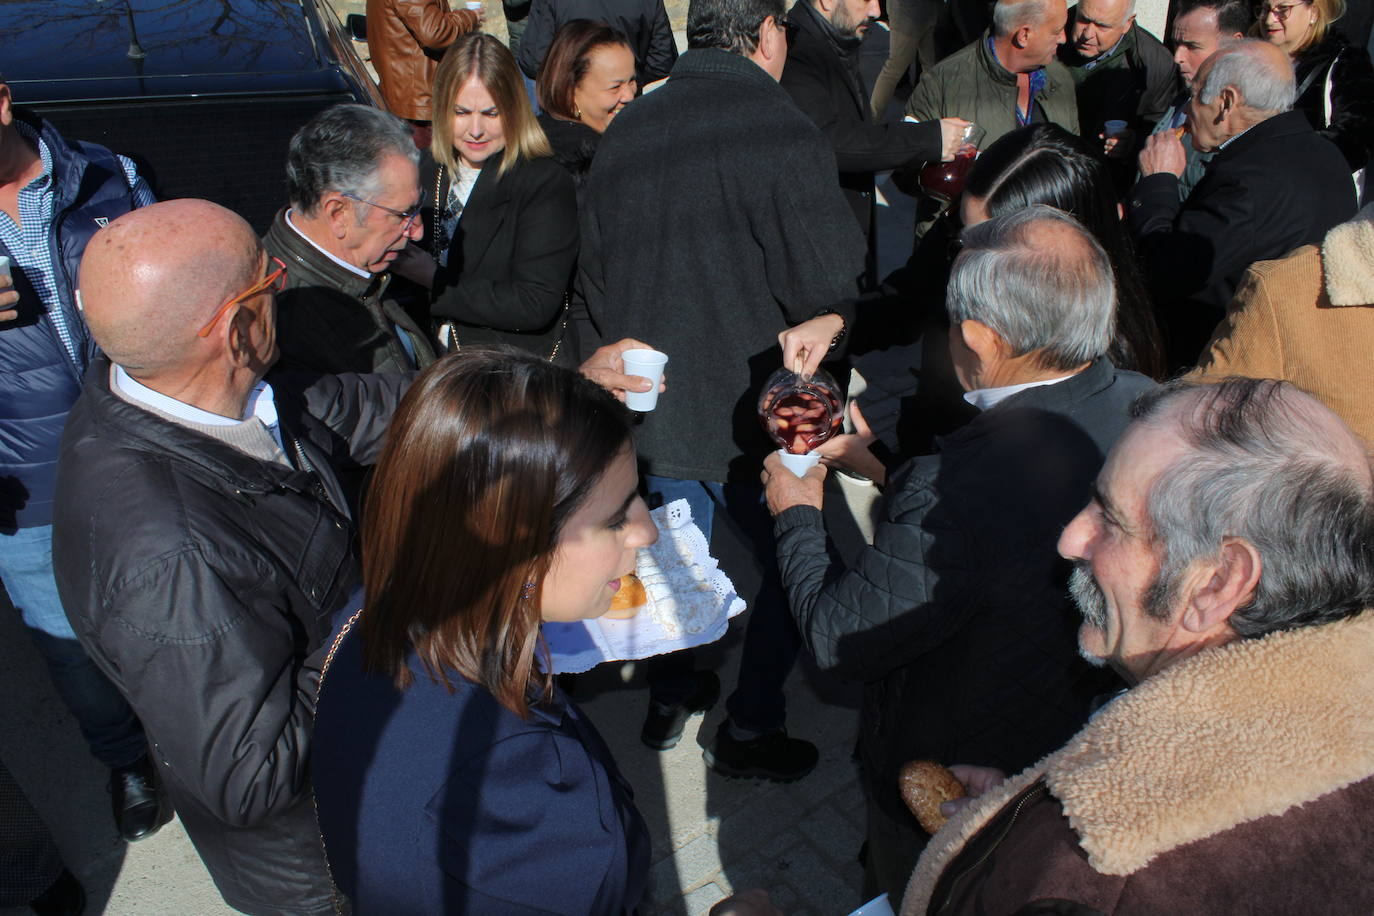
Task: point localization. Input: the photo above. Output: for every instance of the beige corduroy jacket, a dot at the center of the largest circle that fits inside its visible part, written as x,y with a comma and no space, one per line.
1308,319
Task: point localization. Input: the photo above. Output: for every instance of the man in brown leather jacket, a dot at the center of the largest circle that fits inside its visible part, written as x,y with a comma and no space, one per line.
406,39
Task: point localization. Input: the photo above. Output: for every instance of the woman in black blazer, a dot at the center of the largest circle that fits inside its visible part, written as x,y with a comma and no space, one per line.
500,214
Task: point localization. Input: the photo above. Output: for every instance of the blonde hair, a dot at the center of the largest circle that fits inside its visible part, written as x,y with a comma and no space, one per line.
1328,11
479,54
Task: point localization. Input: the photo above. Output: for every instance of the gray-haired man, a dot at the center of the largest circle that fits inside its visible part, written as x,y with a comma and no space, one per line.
353,184
957,617
1224,569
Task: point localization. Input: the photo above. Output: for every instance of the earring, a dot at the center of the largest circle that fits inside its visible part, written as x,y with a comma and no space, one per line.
577,113
527,592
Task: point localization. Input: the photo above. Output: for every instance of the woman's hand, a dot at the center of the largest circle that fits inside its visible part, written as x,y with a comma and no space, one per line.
606,367
415,264
806,344
851,451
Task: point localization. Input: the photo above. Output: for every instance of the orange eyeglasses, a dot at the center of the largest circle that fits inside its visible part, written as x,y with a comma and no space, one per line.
275,281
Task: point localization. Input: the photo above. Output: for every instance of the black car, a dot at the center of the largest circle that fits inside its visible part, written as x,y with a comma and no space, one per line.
203,94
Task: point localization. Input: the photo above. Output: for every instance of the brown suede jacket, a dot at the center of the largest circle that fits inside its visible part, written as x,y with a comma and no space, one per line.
1240,780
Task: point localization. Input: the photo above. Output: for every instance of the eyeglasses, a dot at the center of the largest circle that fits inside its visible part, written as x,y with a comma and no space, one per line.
1281,12
275,281
407,217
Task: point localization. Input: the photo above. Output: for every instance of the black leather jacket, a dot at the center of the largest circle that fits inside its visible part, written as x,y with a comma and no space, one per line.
203,582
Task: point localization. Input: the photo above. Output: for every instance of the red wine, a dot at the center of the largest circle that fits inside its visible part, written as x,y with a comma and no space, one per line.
945,180
801,420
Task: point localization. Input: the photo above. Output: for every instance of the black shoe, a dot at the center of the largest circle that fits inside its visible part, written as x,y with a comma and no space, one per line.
64,898
138,807
771,756
664,724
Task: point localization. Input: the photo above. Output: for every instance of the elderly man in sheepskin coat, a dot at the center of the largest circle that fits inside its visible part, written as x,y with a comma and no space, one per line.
1223,567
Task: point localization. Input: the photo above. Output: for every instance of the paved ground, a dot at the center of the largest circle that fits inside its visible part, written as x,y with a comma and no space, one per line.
711,835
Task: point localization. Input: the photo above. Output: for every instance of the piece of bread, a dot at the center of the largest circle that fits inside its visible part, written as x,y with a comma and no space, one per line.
626,602
924,785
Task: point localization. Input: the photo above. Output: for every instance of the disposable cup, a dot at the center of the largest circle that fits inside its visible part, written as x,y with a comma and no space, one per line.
878,906
799,464
646,364
1113,128
473,5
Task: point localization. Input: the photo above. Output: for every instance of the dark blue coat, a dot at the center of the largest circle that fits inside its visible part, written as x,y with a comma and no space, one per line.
40,379
436,802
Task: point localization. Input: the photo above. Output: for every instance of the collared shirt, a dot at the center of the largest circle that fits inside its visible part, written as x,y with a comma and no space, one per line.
261,406
30,243
987,398
1106,55
337,260
1037,79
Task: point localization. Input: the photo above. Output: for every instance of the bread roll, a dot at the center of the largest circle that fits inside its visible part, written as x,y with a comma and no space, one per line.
626,602
924,785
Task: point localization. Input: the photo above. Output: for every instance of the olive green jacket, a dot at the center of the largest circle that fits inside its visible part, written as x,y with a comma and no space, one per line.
971,84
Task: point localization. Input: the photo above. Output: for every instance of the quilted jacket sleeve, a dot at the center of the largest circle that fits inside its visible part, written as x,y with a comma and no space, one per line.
901,599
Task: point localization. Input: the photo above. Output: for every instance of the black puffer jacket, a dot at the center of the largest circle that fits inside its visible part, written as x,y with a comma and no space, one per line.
1351,94
957,618
203,582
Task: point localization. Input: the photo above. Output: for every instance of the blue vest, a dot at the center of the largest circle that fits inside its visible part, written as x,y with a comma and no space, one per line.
39,378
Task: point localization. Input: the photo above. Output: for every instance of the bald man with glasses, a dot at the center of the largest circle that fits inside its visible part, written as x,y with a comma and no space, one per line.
353,186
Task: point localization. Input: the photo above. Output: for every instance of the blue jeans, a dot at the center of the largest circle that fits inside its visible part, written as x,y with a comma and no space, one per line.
771,641
109,726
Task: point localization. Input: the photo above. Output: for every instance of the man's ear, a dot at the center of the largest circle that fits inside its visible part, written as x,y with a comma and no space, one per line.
6,106
983,340
825,7
1213,591
337,211
238,337
1021,37
1230,100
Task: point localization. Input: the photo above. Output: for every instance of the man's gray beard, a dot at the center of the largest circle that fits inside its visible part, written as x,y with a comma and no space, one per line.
1092,604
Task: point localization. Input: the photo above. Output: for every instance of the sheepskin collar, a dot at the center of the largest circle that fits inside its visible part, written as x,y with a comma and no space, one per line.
1230,735
1348,260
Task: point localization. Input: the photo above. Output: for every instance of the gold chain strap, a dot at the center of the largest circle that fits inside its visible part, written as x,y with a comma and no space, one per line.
336,896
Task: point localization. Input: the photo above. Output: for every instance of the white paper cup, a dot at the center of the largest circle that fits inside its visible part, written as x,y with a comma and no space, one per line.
1113,128
473,5
878,906
646,364
799,464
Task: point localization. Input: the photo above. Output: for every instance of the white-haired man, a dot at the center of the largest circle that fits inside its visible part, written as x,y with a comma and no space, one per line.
957,618
1121,72
1223,568
1273,185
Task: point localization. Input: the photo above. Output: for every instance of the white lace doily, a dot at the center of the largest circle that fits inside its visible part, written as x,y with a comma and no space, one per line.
690,602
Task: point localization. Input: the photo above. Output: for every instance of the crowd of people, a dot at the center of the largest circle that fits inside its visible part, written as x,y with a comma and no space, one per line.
284,515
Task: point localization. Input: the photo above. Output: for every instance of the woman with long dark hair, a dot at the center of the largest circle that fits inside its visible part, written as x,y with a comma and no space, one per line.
451,774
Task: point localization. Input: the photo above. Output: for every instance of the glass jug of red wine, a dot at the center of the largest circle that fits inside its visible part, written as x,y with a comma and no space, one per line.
800,412
945,180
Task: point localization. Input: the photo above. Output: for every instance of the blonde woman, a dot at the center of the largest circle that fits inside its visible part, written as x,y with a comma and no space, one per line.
500,213
1334,79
